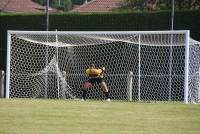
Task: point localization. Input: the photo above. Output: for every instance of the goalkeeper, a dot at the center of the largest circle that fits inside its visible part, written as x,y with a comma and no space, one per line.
95,76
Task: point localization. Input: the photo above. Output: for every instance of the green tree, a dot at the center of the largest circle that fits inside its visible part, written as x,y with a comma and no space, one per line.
79,2
161,4
41,2
64,5
141,4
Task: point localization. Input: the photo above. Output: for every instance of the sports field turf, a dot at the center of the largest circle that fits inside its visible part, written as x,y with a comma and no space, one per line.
26,116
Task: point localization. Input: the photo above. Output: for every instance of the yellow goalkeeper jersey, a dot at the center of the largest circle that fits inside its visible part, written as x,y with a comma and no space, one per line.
94,72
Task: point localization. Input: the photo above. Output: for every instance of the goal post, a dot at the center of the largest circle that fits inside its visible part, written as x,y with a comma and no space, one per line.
140,65
8,65
187,50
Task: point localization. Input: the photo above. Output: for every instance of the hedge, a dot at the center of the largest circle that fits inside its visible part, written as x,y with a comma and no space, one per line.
127,21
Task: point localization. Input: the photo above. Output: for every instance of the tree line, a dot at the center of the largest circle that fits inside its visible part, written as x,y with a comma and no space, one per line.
64,5
161,4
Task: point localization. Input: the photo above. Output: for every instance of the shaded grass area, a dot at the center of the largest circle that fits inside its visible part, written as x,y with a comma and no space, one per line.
27,116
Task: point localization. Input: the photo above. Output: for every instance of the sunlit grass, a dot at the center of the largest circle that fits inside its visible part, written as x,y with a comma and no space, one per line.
27,116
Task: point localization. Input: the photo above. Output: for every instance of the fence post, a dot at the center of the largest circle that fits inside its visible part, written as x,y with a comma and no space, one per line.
130,85
198,90
64,84
2,80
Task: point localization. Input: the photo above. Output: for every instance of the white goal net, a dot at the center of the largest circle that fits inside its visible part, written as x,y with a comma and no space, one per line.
140,66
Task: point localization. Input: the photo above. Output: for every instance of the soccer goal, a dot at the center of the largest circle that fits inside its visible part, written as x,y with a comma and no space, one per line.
140,65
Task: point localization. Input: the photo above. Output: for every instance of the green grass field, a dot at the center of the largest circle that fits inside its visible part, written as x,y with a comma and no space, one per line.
26,116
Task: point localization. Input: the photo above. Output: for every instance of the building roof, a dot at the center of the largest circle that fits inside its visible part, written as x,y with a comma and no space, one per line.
20,6
99,6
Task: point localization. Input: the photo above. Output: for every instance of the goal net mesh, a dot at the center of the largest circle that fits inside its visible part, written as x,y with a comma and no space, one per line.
53,64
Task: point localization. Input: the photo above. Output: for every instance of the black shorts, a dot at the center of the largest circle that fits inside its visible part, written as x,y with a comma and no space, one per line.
97,80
